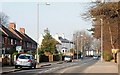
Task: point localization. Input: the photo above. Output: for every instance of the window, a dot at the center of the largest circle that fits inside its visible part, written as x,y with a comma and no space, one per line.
24,57
11,41
15,42
8,40
3,40
27,44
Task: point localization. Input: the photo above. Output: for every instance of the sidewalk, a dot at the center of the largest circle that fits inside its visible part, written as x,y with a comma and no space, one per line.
9,69
102,67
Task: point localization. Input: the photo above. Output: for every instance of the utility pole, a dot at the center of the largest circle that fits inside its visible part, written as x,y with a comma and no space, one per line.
101,21
77,46
81,36
37,31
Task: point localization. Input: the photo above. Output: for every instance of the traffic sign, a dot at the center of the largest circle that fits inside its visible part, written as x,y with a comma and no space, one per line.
18,48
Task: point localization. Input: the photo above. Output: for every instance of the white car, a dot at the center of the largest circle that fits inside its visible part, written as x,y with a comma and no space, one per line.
95,57
68,59
25,60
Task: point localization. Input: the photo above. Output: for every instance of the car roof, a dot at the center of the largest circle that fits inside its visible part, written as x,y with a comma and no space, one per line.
26,54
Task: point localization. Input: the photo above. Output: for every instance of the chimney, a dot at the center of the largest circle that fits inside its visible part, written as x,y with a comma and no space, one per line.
22,30
12,25
63,36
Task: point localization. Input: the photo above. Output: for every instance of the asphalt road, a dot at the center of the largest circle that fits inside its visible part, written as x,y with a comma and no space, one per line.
58,68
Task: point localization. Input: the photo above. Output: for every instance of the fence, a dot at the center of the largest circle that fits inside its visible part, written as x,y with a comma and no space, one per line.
6,59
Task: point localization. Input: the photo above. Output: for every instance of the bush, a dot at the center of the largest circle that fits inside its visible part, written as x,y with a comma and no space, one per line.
107,56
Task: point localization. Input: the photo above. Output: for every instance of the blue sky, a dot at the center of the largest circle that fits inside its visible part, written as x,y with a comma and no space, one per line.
58,17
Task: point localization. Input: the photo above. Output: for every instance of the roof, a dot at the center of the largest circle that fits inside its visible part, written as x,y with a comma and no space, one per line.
30,39
25,37
3,32
22,36
13,33
64,48
7,32
63,40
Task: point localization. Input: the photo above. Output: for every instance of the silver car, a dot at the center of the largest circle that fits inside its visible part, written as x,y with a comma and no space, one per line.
25,60
68,59
95,57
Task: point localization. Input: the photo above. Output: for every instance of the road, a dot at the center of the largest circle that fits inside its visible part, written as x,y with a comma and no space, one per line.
58,68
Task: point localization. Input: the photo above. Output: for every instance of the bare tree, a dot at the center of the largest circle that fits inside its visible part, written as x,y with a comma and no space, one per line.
82,40
3,19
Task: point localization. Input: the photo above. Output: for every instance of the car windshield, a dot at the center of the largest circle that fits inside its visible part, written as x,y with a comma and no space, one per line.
68,56
24,57
95,56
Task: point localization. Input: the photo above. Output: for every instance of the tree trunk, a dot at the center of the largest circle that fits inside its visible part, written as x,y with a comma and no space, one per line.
111,38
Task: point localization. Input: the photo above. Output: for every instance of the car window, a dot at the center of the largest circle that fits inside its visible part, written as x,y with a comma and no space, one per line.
95,56
68,56
32,57
24,57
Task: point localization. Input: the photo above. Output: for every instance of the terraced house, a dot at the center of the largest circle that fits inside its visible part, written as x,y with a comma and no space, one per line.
12,38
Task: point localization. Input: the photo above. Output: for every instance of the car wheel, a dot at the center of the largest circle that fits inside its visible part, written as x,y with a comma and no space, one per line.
30,67
20,67
16,67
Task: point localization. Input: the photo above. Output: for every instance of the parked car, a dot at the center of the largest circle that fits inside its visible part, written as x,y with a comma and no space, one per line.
68,59
95,57
25,60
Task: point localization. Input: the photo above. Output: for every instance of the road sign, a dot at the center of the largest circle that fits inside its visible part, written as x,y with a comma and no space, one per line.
18,48
115,50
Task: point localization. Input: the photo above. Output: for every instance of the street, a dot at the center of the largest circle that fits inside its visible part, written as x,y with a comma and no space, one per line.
77,66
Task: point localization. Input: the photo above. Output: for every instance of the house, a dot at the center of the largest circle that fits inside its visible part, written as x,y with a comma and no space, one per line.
12,38
8,39
65,44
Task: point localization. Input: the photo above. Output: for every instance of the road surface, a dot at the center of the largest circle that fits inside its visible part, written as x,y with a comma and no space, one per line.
77,66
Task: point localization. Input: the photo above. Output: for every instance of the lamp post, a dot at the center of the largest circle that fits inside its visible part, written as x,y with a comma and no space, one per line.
77,47
37,31
101,21
81,46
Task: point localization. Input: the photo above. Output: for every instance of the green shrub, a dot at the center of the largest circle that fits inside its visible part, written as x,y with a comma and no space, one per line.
107,56
15,53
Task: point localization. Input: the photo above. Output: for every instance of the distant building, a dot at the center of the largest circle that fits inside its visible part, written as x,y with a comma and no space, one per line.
63,46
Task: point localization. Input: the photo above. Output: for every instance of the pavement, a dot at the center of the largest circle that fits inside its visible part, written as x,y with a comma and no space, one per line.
8,69
102,67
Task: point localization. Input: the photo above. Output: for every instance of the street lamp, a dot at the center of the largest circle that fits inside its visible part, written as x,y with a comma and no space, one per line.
101,21
38,29
77,46
81,46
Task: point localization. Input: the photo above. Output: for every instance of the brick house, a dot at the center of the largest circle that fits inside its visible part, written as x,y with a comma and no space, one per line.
12,38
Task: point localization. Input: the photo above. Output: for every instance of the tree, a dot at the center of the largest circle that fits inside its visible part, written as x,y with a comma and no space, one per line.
82,40
110,13
48,43
3,19
72,50
12,49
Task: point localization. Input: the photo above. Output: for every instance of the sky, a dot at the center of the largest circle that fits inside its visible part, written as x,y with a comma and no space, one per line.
58,17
